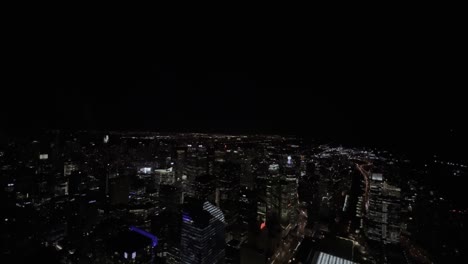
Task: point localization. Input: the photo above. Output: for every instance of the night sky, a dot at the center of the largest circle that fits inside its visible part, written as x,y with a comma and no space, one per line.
398,92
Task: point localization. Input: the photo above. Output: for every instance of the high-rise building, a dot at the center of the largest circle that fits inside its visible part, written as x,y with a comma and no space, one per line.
167,223
228,186
261,183
247,212
165,176
273,190
195,164
170,197
202,234
383,217
289,194
204,188
119,189
282,195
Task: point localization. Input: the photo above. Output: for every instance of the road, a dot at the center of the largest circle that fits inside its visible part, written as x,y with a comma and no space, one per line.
292,240
366,176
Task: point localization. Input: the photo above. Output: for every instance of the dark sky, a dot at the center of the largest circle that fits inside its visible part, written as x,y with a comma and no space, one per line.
386,89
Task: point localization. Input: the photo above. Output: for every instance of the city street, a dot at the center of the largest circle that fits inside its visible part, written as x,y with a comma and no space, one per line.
292,240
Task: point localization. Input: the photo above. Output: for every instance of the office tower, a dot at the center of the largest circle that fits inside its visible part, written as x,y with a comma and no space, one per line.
179,166
274,193
228,189
247,212
228,182
261,183
289,187
196,164
202,234
165,176
383,217
247,175
166,223
204,188
170,197
119,189
282,195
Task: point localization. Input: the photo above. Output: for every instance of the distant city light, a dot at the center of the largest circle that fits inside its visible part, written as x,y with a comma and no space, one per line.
145,170
359,191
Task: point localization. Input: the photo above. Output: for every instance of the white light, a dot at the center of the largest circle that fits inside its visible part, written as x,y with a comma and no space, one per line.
145,170
133,255
125,255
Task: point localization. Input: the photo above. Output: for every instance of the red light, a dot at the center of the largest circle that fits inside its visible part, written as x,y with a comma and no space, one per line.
262,225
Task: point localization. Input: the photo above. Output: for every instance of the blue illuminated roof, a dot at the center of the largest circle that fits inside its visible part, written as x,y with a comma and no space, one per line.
146,234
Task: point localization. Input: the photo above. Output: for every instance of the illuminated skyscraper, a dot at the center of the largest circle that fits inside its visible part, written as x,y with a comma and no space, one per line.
383,218
228,187
195,164
204,188
282,195
202,234
289,188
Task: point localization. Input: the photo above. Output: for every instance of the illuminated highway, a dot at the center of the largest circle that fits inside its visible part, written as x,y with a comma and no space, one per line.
366,175
292,240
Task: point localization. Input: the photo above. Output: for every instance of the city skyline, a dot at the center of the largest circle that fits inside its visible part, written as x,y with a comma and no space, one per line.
259,148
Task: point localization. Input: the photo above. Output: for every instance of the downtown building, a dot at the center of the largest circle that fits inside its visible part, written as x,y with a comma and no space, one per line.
383,217
281,196
202,234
